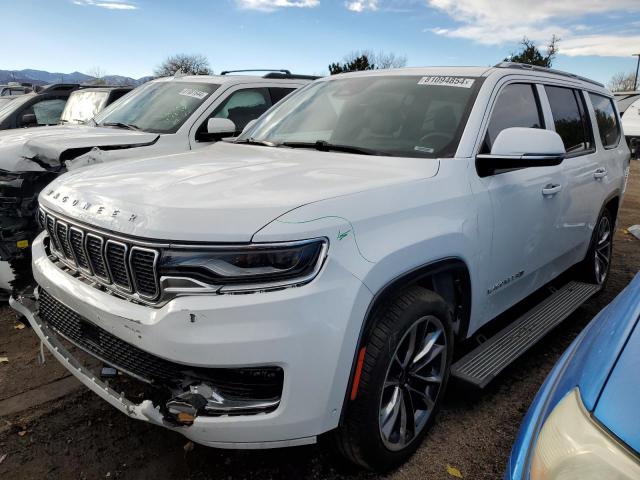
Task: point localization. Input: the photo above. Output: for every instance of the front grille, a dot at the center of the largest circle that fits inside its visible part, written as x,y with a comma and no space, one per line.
115,264
251,382
76,239
116,254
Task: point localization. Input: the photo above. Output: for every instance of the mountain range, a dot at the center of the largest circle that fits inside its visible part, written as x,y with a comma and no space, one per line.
41,77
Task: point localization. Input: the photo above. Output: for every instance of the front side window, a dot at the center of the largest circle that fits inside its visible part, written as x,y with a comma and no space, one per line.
157,107
606,119
48,112
243,106
570,119
83,106
517,106
401,115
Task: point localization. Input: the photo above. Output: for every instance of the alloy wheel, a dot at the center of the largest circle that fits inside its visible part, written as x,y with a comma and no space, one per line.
412,383
602,256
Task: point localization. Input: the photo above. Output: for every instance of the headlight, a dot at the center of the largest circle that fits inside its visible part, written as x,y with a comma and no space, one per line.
571,446
246,268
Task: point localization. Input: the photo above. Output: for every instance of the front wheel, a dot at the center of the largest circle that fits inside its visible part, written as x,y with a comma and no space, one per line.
595,267
403,378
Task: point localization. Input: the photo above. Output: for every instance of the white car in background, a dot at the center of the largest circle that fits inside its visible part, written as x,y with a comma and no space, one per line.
164,116
321,272
629,106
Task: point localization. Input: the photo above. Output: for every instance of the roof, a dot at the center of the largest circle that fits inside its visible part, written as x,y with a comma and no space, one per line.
227,79
503,68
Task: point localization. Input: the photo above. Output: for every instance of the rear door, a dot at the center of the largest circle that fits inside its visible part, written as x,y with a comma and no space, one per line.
572,121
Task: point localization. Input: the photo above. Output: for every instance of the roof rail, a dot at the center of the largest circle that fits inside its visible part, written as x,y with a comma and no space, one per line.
536,68
286,72
274,73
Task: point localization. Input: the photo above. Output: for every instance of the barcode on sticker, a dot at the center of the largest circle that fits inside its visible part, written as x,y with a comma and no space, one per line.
190,92
447,81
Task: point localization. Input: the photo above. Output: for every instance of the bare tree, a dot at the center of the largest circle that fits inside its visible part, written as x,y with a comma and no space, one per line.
98,75
367,60
622,82
531,55
186,64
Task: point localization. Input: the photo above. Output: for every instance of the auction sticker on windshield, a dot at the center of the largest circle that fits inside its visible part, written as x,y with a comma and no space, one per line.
190,92
447,81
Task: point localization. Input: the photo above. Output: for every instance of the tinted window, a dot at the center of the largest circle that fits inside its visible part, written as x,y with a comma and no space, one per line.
570,119
606,119
517,106
278,94
402,115
243,106
48,112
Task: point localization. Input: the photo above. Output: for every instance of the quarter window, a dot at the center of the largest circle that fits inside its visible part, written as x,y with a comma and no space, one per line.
606,119
570,119
516,106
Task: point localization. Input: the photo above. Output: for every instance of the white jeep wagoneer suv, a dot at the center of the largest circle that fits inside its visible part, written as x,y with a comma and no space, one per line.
322,272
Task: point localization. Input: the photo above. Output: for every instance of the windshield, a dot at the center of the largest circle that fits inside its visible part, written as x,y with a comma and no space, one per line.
408,116
83,106
157,107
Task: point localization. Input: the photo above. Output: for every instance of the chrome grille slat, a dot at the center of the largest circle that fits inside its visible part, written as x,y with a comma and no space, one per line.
117,265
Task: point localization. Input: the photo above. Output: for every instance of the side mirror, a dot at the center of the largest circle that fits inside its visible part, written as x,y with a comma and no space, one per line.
28,119
519,147
221,127
249,125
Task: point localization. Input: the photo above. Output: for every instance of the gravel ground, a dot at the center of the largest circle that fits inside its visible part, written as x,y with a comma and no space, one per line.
57,430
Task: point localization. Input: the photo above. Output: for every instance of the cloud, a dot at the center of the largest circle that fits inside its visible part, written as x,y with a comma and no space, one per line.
362,5
495,22
270,5
109,5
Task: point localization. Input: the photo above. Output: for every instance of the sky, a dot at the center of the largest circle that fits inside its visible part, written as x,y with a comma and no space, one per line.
132,37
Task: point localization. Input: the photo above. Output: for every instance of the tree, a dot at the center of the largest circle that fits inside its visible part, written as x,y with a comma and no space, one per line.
622,82
98,76
367,60
531,55
186,64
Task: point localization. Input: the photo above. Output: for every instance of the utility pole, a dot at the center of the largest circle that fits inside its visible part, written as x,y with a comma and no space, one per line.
635,79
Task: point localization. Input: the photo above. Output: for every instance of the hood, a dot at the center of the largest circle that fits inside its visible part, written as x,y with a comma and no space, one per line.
223,193
45,148
617,407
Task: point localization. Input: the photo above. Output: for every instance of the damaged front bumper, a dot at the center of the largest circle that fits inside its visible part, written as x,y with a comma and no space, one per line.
192,428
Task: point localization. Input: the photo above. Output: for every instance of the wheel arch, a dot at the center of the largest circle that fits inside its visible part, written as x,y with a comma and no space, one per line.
449,277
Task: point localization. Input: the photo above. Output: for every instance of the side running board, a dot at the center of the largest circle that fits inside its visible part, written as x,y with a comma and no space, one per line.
484,363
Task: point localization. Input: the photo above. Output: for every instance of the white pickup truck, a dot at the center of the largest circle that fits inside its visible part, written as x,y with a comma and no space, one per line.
167,115
323,272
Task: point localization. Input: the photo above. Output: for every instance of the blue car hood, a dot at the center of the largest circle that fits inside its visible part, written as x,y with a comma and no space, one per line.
617,407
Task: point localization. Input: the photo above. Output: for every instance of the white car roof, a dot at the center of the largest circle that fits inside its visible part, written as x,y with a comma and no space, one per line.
226,79
501,69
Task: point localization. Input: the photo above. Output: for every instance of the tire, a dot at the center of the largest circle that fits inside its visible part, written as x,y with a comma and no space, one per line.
366,436
597,263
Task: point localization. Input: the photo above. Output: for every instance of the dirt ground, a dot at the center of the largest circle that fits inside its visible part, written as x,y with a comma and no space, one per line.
51,428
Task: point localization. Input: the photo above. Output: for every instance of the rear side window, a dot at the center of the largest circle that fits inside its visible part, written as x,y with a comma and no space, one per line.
570,119
516,106
278,93
606,119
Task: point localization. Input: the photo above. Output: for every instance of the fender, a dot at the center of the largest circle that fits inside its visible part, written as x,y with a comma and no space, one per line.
434,274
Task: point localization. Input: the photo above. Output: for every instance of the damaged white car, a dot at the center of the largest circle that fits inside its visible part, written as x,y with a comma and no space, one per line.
164,116
323,272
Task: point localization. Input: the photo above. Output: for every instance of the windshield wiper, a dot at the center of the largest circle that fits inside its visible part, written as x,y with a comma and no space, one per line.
251,141
325,146
128,126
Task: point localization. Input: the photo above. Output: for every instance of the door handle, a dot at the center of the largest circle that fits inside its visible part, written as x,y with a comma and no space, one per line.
600,173
551,189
